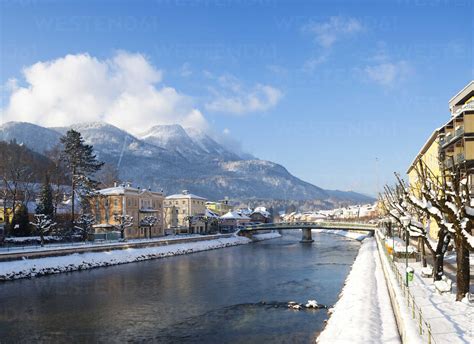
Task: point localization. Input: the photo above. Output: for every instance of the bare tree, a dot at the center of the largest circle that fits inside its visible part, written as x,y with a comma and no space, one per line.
123,222
446,198
58,176
148,221
400,207
43,225
85,224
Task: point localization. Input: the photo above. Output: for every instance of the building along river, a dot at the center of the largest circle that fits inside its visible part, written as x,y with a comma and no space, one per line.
213,296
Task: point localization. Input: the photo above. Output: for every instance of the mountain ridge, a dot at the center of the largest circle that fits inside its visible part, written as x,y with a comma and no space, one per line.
173,159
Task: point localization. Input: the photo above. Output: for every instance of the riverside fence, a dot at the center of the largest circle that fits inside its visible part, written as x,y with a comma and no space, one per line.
423,325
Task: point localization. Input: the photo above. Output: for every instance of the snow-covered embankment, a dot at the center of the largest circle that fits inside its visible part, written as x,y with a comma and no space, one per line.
348,234
363,313
27,268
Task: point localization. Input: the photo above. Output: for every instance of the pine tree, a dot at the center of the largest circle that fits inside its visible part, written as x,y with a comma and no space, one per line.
20,225
82,164
45,205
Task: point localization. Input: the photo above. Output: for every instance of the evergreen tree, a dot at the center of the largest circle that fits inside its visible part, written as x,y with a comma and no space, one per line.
20,225
45,205
82,163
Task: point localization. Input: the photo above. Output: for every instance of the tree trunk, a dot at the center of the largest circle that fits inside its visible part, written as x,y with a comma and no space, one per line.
42,238
422,250
463,269
438,259
73,186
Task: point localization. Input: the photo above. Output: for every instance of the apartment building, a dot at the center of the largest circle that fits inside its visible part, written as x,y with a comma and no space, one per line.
127,200
450,145
456,137
429,155
183,211
220,207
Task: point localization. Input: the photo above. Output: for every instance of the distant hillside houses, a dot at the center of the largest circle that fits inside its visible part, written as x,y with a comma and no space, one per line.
363,212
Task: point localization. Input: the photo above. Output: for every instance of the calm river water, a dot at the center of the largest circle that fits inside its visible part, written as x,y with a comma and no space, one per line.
211,297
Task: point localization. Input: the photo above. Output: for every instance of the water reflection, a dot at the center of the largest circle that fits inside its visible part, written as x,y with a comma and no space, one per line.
210,296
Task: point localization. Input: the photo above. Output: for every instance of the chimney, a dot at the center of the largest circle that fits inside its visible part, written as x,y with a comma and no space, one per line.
115,184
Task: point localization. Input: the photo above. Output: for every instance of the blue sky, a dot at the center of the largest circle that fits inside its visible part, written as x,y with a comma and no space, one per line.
322,87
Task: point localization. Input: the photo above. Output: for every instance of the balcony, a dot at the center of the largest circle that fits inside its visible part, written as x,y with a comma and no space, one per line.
468,106
452,136
460,158
448,163
458,132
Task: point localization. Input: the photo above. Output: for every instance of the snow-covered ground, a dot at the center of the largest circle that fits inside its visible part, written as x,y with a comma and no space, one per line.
53,265
82,244
363,313
451,321
347,234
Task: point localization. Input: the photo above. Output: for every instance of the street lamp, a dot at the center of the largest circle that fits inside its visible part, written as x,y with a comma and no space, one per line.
406,222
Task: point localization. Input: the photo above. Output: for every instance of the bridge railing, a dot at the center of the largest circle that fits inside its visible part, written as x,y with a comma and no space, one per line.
335,225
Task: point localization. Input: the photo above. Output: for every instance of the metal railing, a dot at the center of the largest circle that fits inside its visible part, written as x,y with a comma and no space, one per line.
424,327
460,158
329,225
459,131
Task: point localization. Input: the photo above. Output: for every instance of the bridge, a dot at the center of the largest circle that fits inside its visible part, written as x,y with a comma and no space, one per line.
306,228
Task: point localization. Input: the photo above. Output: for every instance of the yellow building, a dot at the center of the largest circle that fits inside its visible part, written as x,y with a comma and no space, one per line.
5,213
456,137
127,200
179,207
220,208
452,144
429,155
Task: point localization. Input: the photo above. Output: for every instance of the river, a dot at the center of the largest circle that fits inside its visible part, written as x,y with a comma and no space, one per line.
212,296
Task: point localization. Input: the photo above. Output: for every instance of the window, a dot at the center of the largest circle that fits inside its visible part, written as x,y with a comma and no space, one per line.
116,202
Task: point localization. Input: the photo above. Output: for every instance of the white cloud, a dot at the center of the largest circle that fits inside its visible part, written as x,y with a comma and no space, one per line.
329,32
233,97
185,70
388,73
124,90
311,64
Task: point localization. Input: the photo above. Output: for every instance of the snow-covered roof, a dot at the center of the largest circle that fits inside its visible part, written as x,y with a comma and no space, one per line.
122,189
233,215
185,195
210,213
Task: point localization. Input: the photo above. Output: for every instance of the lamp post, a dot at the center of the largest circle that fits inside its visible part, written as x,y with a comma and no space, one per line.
406,223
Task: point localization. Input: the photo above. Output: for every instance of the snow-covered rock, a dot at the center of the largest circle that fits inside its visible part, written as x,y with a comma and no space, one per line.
427,271
444,285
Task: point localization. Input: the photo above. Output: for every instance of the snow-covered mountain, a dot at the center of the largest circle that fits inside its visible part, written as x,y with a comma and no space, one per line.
172,158
192,144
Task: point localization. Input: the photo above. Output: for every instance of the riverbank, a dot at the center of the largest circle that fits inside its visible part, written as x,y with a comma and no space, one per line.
348,234
363,313
28,268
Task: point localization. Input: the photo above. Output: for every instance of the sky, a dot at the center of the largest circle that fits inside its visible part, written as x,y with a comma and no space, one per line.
341,93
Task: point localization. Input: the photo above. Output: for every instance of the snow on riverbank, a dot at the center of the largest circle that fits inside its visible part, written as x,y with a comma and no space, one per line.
363,313
52,265
347,234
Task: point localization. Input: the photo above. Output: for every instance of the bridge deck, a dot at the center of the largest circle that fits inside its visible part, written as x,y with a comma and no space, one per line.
313,225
